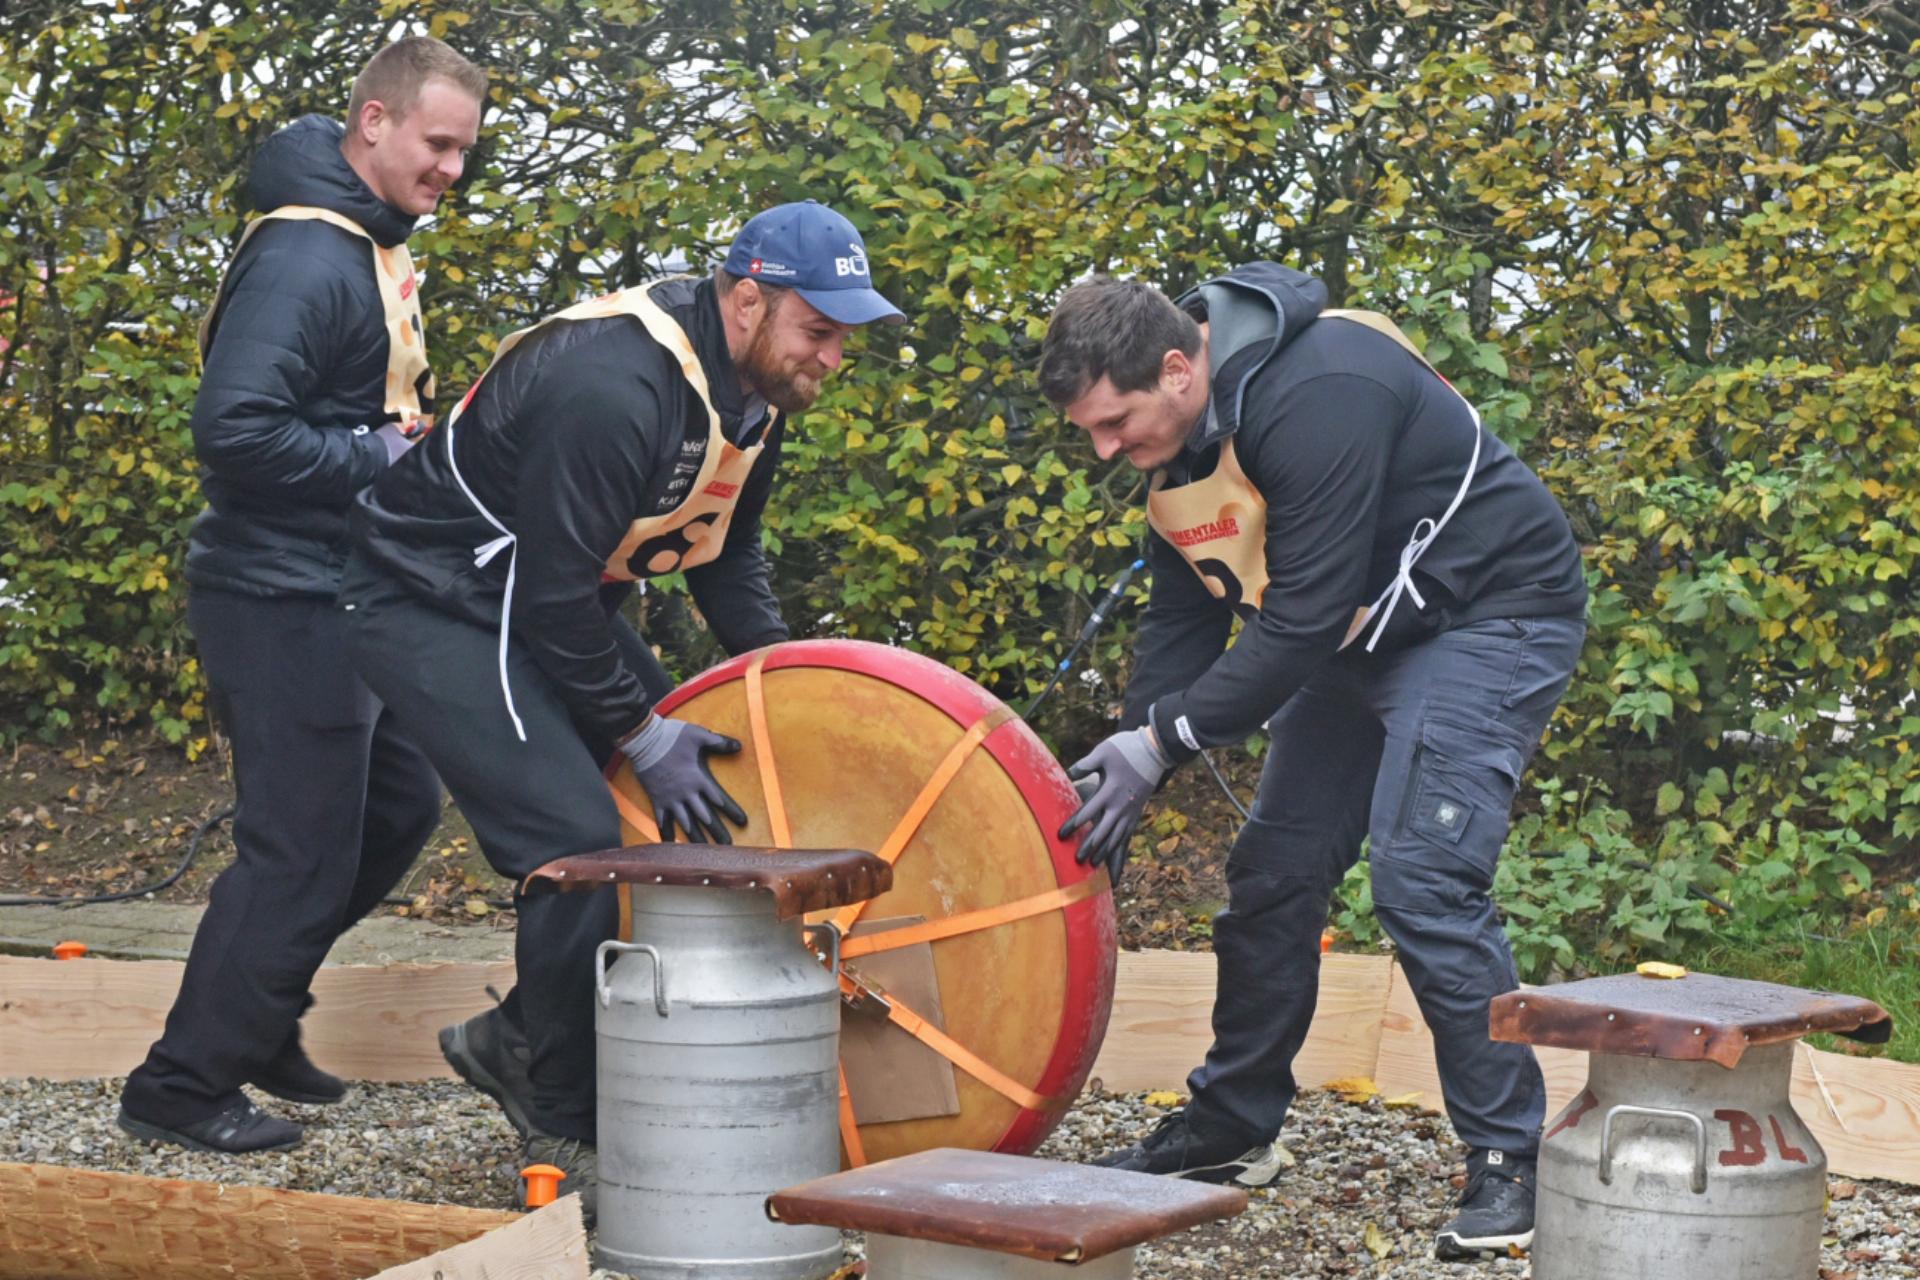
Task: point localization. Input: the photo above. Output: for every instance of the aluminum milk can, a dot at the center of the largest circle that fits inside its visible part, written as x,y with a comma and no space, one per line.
719,1046
1672,1169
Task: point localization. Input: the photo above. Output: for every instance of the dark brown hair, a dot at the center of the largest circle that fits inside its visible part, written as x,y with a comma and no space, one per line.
1118,329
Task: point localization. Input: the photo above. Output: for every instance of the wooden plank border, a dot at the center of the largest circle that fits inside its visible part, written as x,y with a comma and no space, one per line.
80,1224
74,1019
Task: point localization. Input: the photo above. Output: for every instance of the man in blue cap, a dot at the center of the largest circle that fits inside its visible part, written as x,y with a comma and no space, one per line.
630,436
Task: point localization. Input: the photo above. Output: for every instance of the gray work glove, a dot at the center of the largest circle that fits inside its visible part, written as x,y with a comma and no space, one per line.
390,436
1129,767
400,437
670,759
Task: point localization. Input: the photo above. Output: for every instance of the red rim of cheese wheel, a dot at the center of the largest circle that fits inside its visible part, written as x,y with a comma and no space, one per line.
978,725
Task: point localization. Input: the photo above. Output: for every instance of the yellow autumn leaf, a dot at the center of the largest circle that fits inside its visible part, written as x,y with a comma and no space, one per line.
1163,1098
1404,1102
1354,1088
1660,969
478,907
1377,1244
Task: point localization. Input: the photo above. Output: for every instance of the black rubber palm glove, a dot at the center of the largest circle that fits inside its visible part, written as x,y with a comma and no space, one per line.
1129,767
670,759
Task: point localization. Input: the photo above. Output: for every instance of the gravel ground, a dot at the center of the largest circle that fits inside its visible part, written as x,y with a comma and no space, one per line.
1357,1167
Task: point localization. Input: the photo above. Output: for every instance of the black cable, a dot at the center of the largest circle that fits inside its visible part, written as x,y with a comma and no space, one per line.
1094,623
1693,890
1225,789
193,848
498,904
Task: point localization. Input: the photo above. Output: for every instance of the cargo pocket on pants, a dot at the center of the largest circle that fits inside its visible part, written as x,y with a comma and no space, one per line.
1466,769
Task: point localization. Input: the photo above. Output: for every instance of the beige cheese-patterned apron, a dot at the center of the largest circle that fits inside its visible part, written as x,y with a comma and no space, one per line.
409,391
690,535
1219,524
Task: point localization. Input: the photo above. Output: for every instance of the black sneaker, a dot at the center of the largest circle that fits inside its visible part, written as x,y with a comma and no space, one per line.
580,1161
1178,1150
239,1129
292,1077
1496,1208
492,1054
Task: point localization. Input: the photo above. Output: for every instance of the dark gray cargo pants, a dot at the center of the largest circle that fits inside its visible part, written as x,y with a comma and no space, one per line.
1422,752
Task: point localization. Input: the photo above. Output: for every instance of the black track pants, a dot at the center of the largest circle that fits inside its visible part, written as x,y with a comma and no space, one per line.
334,804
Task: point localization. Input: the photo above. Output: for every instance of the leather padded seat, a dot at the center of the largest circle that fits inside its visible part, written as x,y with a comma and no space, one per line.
1699,1017
1039,1209
800,880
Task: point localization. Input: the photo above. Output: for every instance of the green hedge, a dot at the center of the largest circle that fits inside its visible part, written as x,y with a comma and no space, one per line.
1666,246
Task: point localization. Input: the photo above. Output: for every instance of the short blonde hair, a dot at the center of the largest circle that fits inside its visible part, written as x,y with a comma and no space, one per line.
395,75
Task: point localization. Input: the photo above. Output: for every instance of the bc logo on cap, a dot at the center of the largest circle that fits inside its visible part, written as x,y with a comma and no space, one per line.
854,265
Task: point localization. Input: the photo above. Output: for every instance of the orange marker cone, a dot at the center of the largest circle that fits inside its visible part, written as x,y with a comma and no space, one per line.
543,1183
1326,941
69,950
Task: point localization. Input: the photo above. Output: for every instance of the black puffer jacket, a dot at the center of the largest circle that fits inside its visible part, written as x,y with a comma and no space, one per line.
581,429
295,375
1351,441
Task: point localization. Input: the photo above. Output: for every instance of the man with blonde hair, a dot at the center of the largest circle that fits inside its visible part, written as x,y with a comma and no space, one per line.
315,381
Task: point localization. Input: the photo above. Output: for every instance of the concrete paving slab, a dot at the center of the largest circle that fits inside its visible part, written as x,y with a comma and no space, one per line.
164,931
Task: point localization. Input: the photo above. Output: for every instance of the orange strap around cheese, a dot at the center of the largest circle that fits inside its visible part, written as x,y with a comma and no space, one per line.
974,921
945,1045
763,752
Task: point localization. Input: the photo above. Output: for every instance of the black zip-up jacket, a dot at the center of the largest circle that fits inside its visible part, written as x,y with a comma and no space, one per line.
581,429
295,377
1352,441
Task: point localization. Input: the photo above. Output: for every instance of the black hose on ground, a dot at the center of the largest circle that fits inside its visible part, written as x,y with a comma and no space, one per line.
193,849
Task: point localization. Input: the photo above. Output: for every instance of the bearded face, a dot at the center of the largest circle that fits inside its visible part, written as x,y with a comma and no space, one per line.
790,352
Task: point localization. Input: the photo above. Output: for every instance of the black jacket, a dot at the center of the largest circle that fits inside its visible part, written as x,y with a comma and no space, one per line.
1351,441
582,428
295,375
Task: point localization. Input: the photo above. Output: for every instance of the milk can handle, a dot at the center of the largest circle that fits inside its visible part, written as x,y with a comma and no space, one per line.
833,943
600,972
1657,1113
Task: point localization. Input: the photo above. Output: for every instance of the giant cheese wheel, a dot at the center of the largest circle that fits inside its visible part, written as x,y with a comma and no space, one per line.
846,744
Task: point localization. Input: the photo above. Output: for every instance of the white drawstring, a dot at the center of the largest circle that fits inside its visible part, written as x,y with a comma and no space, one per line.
1424,534
483,556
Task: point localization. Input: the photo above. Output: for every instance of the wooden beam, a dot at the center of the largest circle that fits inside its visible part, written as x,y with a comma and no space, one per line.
547,1244
1162,1019
75,1019
76,1224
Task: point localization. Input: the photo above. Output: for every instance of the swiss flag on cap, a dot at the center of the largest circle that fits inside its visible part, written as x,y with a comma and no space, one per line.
754,266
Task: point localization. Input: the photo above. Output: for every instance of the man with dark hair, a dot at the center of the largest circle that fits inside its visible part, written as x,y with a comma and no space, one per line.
630,436
316,379
1412,607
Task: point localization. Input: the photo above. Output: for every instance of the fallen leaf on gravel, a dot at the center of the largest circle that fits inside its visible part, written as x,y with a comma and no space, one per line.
1377,1245
478,907
1405,1102
1354,1088
1841,1189
1162,1098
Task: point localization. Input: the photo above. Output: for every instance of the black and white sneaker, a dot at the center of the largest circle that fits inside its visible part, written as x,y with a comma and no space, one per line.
1179,1150
239,1130
1496,1208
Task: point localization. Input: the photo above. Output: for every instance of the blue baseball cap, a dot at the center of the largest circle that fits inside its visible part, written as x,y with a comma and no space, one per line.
812,250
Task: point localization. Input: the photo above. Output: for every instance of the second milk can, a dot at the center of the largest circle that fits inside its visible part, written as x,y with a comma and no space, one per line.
1683,1156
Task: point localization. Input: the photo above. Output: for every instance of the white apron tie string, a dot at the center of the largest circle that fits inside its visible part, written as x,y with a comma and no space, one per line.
1423,537
483,555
